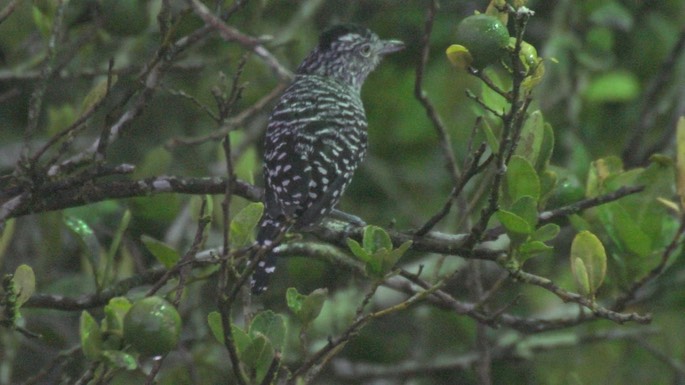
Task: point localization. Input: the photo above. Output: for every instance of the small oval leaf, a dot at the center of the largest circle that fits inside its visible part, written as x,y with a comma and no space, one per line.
271,325
244,223
91,336
588,249
25,283
516,227
164,253
581,277
546,232
520,180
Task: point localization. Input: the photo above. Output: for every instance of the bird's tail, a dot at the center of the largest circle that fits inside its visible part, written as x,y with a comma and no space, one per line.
269,230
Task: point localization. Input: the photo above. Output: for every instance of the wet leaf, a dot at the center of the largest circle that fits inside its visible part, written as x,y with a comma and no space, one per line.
306,307
520,180
244,223
680,160
24,283
91,336
271,325
165,254
588,262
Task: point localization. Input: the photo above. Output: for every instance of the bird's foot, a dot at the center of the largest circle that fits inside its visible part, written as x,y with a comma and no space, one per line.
343,216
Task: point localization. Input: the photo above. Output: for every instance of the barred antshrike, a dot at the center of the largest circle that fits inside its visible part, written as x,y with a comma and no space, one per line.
316,136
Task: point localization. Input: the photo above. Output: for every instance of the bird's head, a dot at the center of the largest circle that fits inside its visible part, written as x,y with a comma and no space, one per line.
348,53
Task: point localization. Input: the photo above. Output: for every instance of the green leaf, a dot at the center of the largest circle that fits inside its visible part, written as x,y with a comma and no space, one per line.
358,250
600,171
646,210
240,338
490,137
581,276
546,148
375,238
42,20
244,223
389,259
115,311
548,181
526,208
377,251
531,137
89,243
306,307
165,254
520,180
628,231
546,232
271,325
294,300
258,356
91,336
6,236
120,359
96,94
588,259
612,87
116,240
532,249
517,228
25,283
215,325
680,160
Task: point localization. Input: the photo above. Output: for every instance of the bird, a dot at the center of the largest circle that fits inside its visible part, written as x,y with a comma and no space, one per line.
316,137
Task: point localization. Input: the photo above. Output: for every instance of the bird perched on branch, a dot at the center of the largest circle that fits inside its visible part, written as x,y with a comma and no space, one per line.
316,136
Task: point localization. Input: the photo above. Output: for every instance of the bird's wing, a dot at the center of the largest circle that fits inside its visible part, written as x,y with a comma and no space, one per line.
287,176
315,142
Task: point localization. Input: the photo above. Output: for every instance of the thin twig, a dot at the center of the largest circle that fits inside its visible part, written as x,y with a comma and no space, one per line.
232,123
36,101
9,8
229,33
472,168
632,154
422,97
567,296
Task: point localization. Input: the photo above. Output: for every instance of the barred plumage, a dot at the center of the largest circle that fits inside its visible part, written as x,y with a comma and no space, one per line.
316,136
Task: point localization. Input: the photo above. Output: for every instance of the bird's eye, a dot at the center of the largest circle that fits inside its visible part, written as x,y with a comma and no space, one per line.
365,50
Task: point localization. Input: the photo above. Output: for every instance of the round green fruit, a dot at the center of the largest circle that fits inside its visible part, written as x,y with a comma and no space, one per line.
485,37
567,191
152,326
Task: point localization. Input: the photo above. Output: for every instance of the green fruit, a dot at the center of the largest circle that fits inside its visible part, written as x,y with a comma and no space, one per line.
567,191
485,37
152,326
125,17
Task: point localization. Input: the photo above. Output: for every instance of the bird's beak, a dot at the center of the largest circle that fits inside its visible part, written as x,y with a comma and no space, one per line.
390,46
